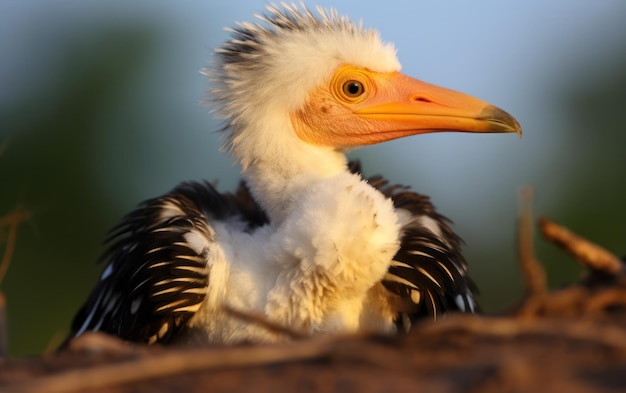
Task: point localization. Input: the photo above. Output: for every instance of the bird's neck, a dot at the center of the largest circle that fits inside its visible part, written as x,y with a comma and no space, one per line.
277,184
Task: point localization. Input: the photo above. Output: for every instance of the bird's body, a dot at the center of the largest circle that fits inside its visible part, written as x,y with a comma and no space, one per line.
306,242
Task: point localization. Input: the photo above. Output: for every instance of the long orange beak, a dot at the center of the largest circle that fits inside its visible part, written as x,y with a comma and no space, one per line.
415,107
360,107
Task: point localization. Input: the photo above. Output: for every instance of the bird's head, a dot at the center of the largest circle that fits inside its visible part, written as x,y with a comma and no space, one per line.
297,82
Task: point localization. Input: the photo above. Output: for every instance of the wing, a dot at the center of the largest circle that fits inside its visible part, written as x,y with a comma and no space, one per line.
428,276
157,272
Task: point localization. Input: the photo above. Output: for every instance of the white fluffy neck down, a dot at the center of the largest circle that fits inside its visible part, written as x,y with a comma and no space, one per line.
318,271
280,186
279,167
334,247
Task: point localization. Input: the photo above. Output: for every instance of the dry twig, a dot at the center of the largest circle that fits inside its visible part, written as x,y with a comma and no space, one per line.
11,221
534,274
260,320
582,330
585,252
606,299
174,362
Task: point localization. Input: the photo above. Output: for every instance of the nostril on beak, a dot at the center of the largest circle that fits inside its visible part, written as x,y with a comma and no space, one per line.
420,99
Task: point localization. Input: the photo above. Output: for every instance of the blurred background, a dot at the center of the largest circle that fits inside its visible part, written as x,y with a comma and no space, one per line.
100,109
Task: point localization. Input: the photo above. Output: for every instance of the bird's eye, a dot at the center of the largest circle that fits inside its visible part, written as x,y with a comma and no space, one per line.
353,89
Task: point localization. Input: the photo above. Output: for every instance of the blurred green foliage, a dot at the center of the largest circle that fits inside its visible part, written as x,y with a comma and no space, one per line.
45,167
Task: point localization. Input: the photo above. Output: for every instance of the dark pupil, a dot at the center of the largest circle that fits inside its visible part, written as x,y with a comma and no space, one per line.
354,88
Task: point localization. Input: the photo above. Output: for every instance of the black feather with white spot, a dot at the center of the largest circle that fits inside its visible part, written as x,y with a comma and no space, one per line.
155,280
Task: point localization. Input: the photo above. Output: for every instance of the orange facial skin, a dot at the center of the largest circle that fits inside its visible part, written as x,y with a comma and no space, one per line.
360,107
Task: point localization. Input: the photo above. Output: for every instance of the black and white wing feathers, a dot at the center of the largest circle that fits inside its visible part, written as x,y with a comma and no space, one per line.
157,271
